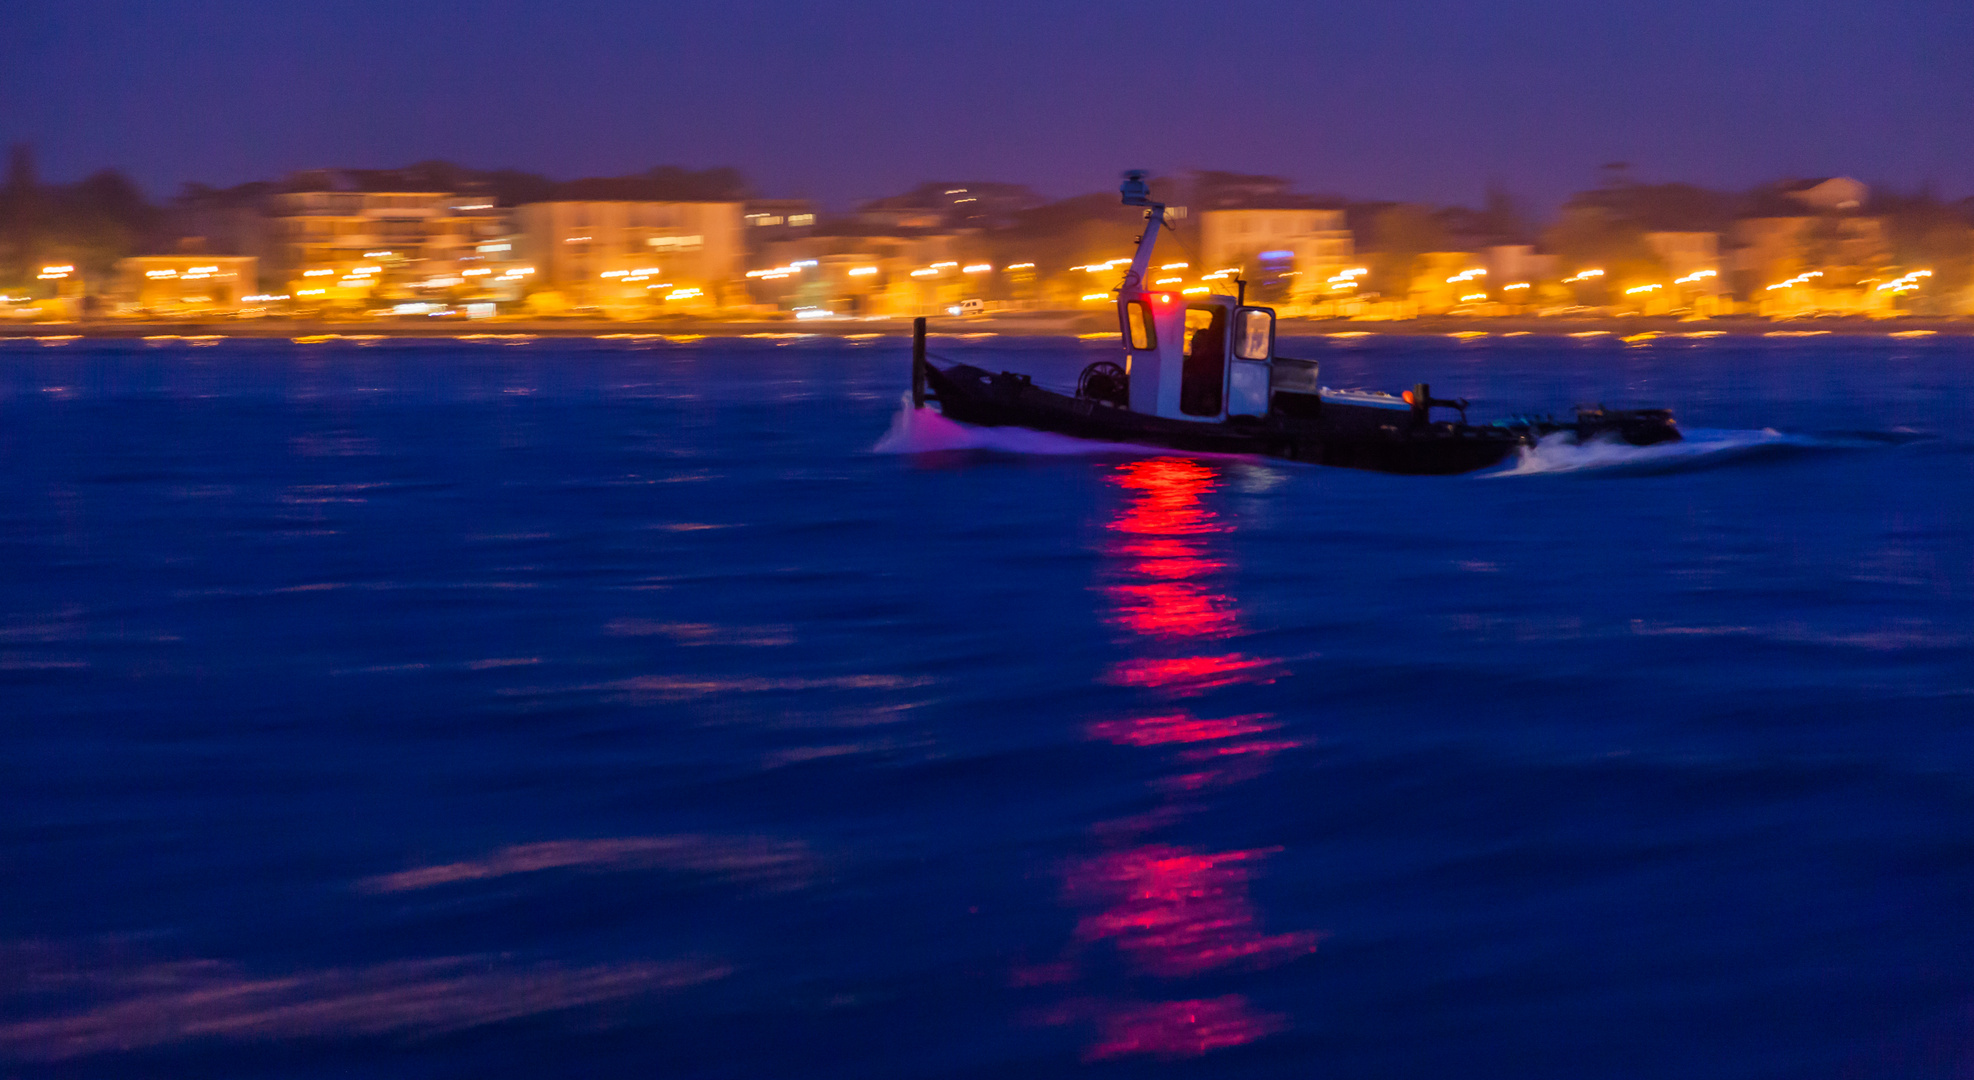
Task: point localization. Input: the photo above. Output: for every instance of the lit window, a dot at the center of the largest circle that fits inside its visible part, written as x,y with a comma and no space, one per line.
1254,334
1138,326
1197,319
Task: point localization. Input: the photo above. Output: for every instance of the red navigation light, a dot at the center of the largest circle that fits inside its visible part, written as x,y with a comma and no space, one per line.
1407,395
1165,298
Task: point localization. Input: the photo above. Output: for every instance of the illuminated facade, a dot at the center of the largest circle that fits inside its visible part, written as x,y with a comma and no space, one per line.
1445,280
1288,255
870,275
357,247
634,258
1826,264
1510,265
1692,258
777,219
186,284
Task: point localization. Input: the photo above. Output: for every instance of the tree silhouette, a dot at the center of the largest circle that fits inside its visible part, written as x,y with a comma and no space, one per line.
20,217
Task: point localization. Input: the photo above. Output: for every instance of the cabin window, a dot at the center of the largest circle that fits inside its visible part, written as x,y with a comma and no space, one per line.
1138,326
1203,374
1254,334
1197,319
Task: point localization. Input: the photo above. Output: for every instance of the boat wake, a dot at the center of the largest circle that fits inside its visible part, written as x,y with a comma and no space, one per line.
1702,448
925,431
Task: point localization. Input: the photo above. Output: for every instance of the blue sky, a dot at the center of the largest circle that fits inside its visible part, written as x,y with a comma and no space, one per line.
844,101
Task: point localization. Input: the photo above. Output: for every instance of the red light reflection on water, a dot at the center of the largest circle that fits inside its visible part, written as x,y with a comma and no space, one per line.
1188,675
1168,503
1162,525
1172,609
1174,912
1181,1028
1239,758
1161,528
1257,746
1155,561
1180,728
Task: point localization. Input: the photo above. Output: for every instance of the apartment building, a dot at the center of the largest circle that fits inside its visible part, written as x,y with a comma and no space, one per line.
1825,263
1515,265
1287,253
851,271
1444,280
332,246
186,284
633,257
1692,257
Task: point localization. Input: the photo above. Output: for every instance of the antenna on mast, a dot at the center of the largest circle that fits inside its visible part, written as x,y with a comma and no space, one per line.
1136,191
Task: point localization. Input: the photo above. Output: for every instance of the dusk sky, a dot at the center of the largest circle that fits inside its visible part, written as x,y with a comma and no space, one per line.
846,101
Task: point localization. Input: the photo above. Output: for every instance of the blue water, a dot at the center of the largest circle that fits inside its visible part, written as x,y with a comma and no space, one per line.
615,708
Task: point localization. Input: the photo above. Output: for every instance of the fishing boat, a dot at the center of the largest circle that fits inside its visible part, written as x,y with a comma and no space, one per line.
1200,373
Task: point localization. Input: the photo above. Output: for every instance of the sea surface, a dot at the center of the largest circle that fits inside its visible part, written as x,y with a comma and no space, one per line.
690,708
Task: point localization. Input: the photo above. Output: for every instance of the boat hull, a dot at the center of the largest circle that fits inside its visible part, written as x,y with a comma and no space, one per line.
1351,436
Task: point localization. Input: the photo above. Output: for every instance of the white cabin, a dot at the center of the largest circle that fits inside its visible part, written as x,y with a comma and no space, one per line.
1204,358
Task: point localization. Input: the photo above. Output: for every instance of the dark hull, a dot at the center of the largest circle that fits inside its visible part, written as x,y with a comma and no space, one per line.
1357,437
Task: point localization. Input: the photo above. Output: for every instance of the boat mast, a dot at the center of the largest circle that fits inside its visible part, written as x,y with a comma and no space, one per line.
1137,192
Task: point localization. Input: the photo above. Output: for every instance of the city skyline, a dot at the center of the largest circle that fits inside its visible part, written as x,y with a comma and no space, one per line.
1412,102
674,242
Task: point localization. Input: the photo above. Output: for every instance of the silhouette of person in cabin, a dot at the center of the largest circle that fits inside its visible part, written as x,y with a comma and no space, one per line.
1201,376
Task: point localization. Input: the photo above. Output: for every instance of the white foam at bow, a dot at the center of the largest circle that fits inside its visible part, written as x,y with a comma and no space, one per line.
925,431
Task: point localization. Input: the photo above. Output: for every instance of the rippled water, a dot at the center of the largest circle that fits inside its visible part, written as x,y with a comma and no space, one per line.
687,709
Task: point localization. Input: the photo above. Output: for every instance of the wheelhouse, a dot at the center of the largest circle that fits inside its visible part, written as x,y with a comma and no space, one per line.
1203,358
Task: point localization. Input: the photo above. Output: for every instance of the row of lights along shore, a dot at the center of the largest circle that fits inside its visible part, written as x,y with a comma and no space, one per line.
1341,282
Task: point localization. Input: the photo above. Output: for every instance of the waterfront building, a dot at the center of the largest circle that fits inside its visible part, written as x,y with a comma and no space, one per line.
1287,252
333,245
1508,264
782,217
771,221
1694,278
222,222
1689,255
176,285
1445,280
1517,275
1807,265
634,258
851,271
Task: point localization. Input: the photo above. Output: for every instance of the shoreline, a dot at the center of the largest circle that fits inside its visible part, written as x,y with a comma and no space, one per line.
1036,324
